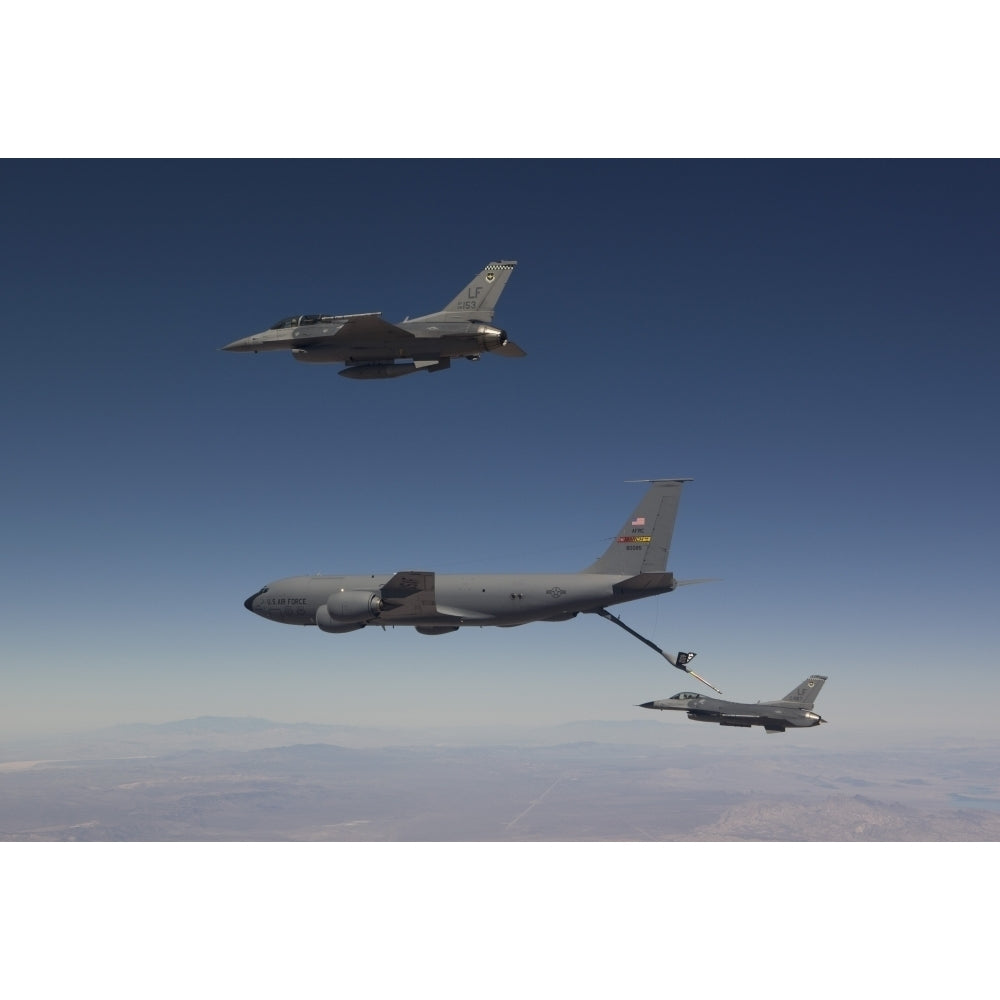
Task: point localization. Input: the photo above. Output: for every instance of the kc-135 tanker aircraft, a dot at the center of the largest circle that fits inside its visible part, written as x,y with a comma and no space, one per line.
633,566
373,348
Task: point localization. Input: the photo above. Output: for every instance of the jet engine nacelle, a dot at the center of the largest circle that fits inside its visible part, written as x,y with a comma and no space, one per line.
491,338
353,606
326,624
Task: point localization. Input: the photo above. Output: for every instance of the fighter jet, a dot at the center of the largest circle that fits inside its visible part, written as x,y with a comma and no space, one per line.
795,709
633,566
372,348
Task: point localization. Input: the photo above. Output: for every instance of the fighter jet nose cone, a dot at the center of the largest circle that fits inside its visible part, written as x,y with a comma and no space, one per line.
246,345
645,704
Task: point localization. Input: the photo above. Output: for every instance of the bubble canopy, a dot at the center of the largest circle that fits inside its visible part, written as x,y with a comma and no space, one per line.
290,321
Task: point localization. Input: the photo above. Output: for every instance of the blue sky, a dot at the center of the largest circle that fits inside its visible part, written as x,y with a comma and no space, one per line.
814,342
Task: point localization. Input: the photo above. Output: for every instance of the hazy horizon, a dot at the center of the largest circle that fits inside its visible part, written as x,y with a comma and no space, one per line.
255,779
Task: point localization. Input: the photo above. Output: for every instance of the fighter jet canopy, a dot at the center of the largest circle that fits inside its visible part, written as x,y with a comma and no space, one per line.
296,321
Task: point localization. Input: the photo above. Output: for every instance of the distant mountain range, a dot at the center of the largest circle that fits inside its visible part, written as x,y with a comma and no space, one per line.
217,778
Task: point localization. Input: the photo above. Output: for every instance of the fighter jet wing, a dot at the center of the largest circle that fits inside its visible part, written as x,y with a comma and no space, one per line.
371,328
365,330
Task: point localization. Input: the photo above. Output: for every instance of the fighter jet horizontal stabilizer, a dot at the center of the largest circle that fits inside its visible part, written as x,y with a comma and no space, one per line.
509,350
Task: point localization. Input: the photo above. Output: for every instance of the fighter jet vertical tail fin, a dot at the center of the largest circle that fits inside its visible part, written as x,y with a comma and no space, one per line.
478,299
804,696
643,544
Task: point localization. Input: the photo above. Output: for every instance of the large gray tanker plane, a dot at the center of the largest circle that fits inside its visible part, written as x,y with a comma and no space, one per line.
372,348
633,566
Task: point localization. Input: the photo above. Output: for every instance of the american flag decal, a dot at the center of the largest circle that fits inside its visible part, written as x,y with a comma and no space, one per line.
638,522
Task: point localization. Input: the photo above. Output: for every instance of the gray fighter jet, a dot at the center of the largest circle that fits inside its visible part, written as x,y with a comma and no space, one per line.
632,567
795,709
371,347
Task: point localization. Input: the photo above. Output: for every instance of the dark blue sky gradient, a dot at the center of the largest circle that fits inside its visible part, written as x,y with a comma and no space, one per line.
814,342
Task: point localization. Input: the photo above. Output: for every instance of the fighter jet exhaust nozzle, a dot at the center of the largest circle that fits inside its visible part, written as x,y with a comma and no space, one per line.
352,606
491,338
